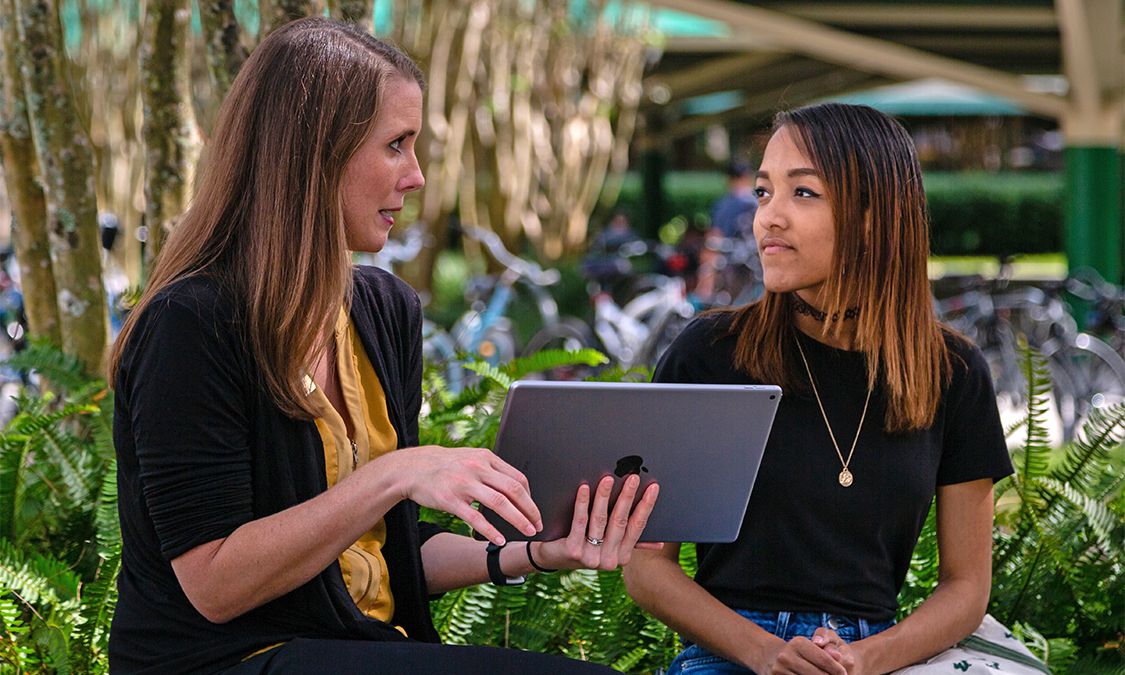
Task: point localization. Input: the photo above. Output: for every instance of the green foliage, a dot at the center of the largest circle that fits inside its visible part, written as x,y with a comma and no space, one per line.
1059,550
1059,554
58,493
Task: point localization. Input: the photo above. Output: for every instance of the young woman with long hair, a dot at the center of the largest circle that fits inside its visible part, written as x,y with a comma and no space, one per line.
883,409
267,402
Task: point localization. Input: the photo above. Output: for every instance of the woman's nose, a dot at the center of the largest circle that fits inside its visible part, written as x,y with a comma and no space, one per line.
414,180
767,216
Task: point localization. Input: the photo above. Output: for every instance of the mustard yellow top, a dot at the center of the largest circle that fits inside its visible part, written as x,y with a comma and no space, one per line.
365,570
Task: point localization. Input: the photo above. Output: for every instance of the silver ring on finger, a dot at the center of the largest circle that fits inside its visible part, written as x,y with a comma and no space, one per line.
594,542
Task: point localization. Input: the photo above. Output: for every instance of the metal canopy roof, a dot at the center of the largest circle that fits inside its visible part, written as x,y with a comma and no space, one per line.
775,55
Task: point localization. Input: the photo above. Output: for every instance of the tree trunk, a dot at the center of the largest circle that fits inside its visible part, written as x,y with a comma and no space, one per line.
222,35
29,205
276,13
358,12
67,165
169,129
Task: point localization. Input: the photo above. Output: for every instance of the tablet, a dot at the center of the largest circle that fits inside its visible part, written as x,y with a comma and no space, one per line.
702,443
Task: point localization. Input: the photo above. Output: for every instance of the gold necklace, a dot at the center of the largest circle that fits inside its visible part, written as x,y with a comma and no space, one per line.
846,477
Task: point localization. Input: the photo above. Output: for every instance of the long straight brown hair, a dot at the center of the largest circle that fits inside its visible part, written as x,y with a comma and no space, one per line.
266,223
874,186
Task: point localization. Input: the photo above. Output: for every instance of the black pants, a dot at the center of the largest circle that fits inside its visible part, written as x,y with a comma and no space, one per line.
358,657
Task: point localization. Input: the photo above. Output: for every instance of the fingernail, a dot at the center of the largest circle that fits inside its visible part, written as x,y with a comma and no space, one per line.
529,530
500,541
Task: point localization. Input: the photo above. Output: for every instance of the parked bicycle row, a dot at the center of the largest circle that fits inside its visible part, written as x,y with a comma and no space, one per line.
632,327
1087,372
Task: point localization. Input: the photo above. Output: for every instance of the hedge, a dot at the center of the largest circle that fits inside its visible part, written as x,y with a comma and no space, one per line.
970,213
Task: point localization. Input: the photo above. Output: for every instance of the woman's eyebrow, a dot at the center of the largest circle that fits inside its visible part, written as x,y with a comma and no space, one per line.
792,173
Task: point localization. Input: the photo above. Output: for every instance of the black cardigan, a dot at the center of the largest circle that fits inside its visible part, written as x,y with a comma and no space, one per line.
202,449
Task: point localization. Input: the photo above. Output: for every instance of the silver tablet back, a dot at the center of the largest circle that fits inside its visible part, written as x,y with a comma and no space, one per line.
702,443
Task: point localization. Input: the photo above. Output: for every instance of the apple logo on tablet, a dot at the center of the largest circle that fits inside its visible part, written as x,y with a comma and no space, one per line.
630,464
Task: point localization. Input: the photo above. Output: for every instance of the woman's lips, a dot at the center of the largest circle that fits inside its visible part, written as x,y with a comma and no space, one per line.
775,246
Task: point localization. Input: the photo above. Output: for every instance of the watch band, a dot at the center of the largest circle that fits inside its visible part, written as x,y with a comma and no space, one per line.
492,559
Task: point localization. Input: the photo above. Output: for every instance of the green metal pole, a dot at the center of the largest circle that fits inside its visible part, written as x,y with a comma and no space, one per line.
1094,222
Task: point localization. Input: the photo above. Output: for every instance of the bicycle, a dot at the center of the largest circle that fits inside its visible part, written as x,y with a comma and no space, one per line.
1086,372
638,333
735,269
486,329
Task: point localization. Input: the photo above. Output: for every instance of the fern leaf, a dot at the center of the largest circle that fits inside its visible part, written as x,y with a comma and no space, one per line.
547,359
91,635
37,579
1105,524
618,374
69,456
106,516
1083,459
490,372
14,649
13,482
1036,449
470,396
1015,426
64,371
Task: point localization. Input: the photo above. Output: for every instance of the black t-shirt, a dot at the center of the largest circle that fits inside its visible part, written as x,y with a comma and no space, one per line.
807,543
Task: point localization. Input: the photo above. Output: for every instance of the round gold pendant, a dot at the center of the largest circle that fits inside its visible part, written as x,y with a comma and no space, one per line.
845,478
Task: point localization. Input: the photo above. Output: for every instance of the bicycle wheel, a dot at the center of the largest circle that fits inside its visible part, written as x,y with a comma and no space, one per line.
661,338
569,334
1088,374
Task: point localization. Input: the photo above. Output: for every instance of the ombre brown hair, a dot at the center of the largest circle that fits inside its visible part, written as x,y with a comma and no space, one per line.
873,184
266,223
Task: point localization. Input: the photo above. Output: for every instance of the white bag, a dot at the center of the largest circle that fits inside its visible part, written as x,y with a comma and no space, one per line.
990,650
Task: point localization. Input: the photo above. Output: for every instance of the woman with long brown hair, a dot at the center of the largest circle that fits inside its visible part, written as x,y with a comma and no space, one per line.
267,402
883,410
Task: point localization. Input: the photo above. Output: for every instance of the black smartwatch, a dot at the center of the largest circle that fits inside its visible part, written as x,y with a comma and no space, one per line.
494,573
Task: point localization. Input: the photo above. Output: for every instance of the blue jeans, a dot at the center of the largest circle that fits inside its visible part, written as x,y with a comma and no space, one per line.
786,625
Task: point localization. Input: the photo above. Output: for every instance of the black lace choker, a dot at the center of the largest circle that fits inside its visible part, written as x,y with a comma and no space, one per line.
808,310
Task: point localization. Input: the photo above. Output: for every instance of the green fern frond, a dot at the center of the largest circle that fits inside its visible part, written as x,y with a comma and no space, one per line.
470,396
444,417
106,516
490,372
618,374
37,579
1085,458
71,457
90,640
547,359
1106,525
13,483
1015,426
629,661
1036,450
14,650
921,576
62,370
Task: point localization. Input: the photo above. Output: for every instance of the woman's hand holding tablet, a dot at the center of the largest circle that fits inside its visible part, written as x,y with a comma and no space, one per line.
599,539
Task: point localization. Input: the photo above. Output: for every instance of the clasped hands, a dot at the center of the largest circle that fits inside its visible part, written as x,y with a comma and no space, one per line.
825,653
451,479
